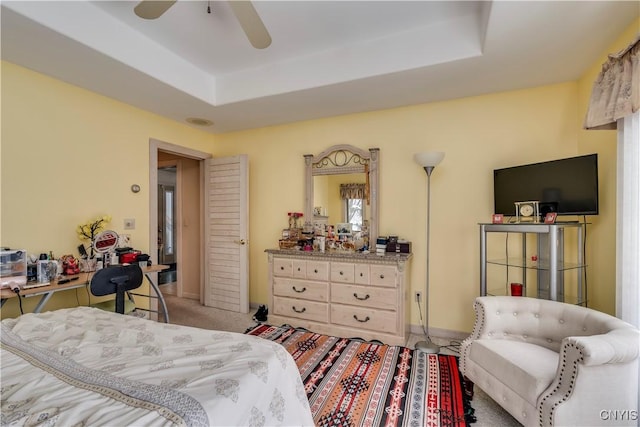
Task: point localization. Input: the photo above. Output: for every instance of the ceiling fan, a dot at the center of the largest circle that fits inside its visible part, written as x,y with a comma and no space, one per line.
246,14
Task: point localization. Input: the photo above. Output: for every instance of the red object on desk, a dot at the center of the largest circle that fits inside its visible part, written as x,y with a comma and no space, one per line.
128,257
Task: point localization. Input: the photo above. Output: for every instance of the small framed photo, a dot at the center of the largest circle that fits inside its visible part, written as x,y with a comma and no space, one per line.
343,229
497,218
550,218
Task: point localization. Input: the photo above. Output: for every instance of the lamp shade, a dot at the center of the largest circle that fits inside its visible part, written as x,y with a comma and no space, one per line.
428,158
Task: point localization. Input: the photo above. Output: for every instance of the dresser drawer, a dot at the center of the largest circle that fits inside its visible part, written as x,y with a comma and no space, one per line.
318,270
313,270
299,268
282,267
361,274
315,291
364,296
301,309
342,272
383,275
364,318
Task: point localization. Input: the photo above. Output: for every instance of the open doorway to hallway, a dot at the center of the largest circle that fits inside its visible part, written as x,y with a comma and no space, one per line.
179,229
167,215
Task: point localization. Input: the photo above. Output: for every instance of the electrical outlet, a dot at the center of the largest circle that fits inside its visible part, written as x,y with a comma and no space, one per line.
418,296
130,224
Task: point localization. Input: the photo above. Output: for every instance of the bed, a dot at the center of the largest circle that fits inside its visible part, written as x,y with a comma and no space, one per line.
84,366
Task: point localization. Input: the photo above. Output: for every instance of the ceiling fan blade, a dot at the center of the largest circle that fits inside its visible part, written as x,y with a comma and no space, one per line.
152,9
251,23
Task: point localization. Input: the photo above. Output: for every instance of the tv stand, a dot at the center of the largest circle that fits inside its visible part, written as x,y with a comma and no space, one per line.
550,266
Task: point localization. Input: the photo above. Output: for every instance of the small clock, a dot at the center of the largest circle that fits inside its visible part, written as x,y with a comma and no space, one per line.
527,211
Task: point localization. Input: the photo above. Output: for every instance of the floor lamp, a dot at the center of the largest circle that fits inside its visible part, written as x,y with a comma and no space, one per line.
428,161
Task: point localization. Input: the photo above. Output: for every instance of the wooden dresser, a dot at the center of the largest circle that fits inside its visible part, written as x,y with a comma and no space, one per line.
341,294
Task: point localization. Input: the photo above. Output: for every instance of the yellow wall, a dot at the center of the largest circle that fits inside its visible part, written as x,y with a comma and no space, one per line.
69,155
91,149
478,134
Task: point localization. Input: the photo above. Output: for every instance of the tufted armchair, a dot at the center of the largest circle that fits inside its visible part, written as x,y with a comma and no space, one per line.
550,363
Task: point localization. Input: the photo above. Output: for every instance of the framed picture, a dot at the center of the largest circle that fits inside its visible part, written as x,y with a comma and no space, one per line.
343,229
497,218
550,217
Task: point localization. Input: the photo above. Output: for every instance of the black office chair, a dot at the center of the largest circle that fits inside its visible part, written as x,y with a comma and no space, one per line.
117,280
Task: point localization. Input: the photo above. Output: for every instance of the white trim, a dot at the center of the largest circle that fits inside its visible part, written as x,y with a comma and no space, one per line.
628,220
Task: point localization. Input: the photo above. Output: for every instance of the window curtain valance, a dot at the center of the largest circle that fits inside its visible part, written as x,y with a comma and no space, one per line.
616,91
353,191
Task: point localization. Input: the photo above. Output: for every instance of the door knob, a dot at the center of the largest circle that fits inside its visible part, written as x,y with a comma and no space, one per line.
240,242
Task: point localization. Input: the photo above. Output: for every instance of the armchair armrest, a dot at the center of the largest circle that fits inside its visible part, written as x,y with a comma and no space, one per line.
584,361
618,346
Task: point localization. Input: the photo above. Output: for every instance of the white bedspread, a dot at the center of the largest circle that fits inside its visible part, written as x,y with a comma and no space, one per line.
84,366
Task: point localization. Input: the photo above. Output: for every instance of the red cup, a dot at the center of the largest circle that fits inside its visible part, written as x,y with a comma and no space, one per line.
516,289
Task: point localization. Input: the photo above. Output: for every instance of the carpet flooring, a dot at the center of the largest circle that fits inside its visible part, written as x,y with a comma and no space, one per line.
355,383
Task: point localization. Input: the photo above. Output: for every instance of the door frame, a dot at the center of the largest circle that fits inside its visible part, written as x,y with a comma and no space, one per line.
156,145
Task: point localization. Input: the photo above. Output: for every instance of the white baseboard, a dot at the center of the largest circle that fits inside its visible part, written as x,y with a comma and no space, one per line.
440,333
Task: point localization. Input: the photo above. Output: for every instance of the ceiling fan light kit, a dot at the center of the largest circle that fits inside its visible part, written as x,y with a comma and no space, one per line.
244,11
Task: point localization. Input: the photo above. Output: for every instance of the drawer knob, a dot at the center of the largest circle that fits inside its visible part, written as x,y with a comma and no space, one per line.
341,273
315,271
281,268
294,288
366,297
382,276
361,321
361,274
298,311
298,268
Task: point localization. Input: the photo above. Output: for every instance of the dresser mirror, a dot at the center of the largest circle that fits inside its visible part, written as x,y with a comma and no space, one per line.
341,187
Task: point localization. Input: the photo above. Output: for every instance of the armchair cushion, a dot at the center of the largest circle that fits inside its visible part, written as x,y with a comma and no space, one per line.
529,368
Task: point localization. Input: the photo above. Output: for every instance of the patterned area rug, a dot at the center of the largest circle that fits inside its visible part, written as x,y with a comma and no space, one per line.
353,383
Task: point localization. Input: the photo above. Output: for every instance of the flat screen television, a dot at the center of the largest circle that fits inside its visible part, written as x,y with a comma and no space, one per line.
566,186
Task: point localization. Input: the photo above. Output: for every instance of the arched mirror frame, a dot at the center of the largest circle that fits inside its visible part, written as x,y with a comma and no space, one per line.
345,159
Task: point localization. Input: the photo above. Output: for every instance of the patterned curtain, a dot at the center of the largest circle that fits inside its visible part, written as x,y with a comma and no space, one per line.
352,191
616,91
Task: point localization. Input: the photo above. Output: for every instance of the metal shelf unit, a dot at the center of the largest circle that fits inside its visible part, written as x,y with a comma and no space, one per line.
550,266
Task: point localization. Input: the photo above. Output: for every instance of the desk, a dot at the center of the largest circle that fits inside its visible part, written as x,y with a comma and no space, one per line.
47,291
83,279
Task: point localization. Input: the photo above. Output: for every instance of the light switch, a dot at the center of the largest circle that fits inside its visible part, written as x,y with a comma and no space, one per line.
130,224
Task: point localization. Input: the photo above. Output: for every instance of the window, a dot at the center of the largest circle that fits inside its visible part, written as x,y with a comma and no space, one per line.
354,213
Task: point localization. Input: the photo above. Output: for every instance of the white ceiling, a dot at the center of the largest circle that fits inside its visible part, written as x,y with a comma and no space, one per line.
327,57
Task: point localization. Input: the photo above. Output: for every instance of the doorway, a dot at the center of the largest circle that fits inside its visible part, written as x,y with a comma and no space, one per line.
206,219
167,214
175,231
179,225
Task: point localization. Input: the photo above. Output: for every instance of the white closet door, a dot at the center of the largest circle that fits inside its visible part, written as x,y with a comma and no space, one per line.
226,228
